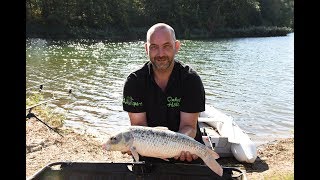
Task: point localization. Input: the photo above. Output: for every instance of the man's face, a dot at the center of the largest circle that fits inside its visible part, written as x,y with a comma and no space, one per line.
161,49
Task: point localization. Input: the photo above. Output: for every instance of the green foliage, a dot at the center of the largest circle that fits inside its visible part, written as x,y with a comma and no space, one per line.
43,112
55,120
122,18
34,99
277,12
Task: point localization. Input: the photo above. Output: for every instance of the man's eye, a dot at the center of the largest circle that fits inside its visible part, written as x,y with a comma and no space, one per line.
153,47
167,46
113,138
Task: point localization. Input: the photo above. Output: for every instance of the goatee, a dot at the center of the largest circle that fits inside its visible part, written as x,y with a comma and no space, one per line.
161,63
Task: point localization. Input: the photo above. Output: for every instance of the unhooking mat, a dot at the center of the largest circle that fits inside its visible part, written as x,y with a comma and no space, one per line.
132,171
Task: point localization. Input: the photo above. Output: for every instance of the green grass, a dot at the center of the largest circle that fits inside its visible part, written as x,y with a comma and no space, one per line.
44,113
278,176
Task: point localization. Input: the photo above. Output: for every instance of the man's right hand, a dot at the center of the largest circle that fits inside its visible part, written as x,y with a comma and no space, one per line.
126,152
186,156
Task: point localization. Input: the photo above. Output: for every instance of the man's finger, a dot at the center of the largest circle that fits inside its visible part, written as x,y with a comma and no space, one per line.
194,157
188,156
182,156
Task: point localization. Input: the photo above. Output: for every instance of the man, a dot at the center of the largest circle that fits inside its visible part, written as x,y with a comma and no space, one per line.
165,92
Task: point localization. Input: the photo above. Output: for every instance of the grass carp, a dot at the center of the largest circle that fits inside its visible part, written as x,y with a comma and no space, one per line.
159,142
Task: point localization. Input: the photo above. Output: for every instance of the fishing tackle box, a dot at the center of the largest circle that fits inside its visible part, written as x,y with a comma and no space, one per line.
131,171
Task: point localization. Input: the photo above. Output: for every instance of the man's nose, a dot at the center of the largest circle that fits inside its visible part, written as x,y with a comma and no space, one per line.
160,52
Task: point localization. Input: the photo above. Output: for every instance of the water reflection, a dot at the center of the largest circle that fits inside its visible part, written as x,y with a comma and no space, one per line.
250,79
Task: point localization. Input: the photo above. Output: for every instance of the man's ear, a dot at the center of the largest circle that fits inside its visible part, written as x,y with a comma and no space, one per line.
146,48
177,45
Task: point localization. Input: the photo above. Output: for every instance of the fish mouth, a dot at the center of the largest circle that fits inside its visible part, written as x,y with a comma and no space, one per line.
105,146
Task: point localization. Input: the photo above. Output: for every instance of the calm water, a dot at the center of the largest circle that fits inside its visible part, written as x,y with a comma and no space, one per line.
250,79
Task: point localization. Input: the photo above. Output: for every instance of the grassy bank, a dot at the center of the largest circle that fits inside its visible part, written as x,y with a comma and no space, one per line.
132,34
44,113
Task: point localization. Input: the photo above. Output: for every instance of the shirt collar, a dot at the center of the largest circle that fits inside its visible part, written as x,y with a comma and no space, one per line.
172,76
150,69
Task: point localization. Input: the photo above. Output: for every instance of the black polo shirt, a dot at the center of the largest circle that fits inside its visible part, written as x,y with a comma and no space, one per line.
184,92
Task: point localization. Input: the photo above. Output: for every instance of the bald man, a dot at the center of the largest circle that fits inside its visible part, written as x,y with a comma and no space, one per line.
164,91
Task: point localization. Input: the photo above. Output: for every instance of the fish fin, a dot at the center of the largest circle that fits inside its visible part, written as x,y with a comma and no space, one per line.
213,154
161,127
134,153
210,161
165,159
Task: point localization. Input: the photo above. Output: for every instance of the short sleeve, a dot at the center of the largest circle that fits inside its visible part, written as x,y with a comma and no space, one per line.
133,100
193,94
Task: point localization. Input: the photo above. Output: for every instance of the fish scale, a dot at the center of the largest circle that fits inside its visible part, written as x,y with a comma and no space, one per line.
169,143
160,143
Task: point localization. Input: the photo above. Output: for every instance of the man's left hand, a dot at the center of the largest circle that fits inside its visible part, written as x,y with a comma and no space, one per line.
186,155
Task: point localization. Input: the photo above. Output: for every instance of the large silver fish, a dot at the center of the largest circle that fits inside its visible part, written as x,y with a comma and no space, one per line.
159,142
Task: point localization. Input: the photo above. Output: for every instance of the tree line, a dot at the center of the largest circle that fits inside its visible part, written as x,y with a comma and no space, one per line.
130,19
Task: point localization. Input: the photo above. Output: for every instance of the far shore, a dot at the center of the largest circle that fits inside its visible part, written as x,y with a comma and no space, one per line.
79,34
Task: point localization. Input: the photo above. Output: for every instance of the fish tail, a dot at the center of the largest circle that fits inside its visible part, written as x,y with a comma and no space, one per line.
210,161
213,153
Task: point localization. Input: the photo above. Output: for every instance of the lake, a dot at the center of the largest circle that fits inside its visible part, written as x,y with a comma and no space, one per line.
250,79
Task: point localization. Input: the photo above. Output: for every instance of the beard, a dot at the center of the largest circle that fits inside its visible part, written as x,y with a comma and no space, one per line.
161,63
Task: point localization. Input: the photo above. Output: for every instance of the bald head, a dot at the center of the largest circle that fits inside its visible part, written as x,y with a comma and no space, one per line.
161,26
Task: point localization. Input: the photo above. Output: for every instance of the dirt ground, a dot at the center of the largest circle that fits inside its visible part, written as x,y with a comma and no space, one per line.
44,146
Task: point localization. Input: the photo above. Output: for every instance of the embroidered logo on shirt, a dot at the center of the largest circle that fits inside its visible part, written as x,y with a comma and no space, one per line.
173,102
130,102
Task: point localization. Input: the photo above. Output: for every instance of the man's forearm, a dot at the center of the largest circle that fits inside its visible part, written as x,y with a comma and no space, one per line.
188,130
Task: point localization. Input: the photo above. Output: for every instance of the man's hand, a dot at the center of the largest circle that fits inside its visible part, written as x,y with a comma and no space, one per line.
126,152
186,155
